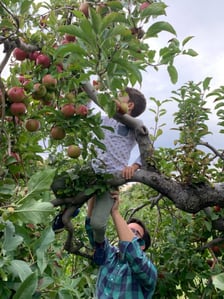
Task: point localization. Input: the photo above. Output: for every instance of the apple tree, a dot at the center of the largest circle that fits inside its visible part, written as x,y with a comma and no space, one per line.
57,58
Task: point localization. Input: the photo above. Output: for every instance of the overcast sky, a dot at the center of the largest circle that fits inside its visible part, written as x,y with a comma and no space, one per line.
203,20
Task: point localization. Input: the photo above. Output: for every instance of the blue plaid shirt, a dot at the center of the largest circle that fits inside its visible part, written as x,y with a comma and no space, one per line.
126,274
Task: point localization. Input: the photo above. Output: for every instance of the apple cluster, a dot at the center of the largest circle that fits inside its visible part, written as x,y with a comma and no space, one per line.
43,90
17,95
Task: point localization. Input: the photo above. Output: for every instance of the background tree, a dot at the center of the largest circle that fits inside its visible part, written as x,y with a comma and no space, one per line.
60,56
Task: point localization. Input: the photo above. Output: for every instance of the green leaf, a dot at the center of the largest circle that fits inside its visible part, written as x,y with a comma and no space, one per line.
71,29
221,123
206,83
11,240
129,67
158,27
70,48
186,40
218,281
173,73
46,281
87,32
19,269
111,18
27,288
154,9
64,294
7,190
220,112
190,52
47,237
96,20
159,133
25,6
119,30
208,225
34,212
219,98
40,181
115,5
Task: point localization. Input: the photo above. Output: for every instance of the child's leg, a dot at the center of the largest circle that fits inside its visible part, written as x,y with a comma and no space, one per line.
88,227
100,216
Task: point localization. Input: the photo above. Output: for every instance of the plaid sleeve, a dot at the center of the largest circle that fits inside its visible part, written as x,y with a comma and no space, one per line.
143,269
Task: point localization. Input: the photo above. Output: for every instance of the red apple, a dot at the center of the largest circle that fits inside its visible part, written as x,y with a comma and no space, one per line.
64,42
33,55
28,84
32,125
49,81
16,94
19,54
217,208
144,5
138,32
70,38
43,21
68,110
74,151
43,60
59,68
215,249
84,8
82,110
57,133
22,79
210,262
96,84
31,226
17,108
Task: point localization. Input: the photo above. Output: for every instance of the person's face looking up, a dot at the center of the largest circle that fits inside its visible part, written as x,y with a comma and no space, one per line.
124,98
138,231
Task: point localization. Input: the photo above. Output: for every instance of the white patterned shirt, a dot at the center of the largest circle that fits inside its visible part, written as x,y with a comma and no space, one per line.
119,144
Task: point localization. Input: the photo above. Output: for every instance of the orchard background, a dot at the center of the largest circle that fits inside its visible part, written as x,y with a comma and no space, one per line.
60,57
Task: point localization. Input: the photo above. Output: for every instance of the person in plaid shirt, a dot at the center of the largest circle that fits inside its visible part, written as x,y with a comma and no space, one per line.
127,272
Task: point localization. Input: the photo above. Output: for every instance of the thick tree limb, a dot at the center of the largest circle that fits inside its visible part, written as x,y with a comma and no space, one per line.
190,199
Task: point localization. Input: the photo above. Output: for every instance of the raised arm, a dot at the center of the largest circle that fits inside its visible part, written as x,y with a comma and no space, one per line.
123,231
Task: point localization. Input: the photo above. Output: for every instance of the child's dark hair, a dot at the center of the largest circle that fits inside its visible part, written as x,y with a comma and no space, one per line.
138,99
146,237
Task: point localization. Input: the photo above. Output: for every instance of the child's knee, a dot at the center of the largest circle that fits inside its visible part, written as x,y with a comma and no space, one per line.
97,224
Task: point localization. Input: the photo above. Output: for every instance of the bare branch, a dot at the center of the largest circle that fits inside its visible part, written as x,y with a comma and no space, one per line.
212,243
215,151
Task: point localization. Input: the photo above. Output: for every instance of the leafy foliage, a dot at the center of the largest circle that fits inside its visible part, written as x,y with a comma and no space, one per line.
112,45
